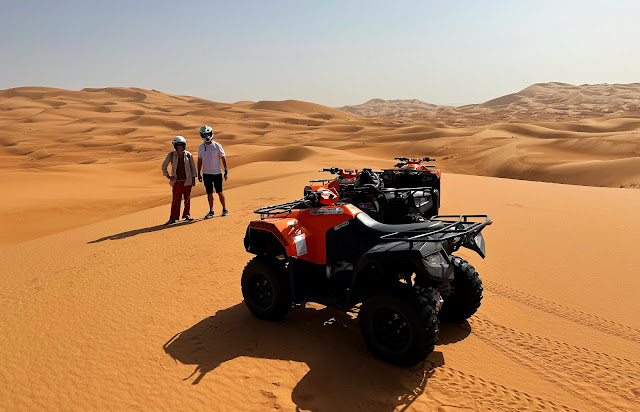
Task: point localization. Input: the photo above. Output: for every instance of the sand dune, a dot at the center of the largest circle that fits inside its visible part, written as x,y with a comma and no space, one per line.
100,318
104,308
541,101
93,133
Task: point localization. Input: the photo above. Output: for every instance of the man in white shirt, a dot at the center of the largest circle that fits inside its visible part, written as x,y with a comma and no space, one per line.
210,153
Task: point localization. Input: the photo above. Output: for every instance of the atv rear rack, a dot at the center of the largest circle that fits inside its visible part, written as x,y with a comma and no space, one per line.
277,209
459,229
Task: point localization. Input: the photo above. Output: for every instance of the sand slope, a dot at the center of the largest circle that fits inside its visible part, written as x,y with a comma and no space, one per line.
127,315
540,101
71,158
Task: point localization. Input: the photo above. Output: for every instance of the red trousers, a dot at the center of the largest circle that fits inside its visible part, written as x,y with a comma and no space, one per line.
180,190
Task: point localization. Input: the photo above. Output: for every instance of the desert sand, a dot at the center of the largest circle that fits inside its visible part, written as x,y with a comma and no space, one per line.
103,308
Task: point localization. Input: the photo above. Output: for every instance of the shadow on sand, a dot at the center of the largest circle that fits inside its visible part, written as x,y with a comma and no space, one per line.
342,373
150,229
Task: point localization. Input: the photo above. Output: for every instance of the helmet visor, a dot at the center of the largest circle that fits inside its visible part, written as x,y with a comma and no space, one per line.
207,137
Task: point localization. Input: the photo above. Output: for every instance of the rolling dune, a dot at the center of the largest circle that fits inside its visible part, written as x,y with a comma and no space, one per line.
104,308
92,132
102,318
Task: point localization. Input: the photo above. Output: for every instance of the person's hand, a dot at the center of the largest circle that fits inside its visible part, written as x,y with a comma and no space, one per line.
172,178
199,178
225,177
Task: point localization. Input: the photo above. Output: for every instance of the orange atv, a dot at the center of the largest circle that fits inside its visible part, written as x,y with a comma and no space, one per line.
366,190
404,276
412,173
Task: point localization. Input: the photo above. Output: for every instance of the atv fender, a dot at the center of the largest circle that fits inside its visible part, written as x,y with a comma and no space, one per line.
409,257
263,242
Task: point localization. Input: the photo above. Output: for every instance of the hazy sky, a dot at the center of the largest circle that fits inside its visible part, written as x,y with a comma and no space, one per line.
333,52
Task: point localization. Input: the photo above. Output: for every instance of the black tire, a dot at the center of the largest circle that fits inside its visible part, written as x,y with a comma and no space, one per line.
400,325
266,288
466,296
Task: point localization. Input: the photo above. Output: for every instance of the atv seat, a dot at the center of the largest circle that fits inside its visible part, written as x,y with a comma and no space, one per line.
383,228
363,232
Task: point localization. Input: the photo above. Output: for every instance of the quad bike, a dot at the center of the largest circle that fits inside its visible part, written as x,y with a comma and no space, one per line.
412,173
366,190
404,277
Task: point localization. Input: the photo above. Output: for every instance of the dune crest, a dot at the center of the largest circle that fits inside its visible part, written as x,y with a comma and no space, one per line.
77,157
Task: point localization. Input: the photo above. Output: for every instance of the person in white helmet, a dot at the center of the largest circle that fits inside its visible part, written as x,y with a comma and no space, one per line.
210,154
181,179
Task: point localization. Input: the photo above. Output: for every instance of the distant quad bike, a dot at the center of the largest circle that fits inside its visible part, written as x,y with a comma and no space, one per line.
366,190
404,276
412,173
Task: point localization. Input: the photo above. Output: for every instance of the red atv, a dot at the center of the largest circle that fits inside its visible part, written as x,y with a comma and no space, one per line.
366,190
412,173
404,276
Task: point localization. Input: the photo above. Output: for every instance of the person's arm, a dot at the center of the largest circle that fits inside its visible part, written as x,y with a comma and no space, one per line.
164,166
199,168
224,162
192,165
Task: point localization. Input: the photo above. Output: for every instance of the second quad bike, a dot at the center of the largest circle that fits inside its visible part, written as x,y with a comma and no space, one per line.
366,190
401,279
413,173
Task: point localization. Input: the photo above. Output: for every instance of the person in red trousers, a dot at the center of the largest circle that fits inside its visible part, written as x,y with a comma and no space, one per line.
182,178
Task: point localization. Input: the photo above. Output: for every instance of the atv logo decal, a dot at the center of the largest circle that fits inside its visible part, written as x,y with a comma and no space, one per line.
269,227
341,225
301,244
327,211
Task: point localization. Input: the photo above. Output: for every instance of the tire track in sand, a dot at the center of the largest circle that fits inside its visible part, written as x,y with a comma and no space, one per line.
565,312
489,394
609,382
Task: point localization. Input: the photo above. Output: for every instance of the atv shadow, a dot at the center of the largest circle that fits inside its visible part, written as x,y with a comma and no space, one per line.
343,375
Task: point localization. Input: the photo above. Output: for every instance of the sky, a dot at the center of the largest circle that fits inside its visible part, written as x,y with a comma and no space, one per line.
332,52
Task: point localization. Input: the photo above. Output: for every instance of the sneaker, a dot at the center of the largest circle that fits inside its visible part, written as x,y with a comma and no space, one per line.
188,219
170,222
209,215
225,212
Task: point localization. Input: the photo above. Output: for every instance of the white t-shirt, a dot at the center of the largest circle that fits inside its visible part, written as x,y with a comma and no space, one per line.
210,155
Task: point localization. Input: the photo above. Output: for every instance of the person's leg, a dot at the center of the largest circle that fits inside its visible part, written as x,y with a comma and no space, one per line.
210,199
175,202
217,182
187,201
208,184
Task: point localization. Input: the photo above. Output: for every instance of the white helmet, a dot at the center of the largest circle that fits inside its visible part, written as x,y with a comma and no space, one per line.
206,132
179,140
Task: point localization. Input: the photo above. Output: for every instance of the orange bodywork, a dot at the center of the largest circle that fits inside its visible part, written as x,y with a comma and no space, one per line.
302,231
415,164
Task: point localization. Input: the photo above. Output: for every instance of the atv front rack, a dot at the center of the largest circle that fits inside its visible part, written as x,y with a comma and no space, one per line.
462,229
277,209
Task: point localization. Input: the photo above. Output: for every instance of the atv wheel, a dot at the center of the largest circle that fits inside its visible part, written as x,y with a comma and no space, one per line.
401,325
464,300
265,287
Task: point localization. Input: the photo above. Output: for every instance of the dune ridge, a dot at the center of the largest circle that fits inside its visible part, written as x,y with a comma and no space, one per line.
107,143
93,318
541,101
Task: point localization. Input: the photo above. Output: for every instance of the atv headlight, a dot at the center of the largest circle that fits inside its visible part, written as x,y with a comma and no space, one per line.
436,258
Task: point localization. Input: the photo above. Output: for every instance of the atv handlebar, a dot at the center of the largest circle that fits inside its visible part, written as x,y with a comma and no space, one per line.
332,170
419,160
